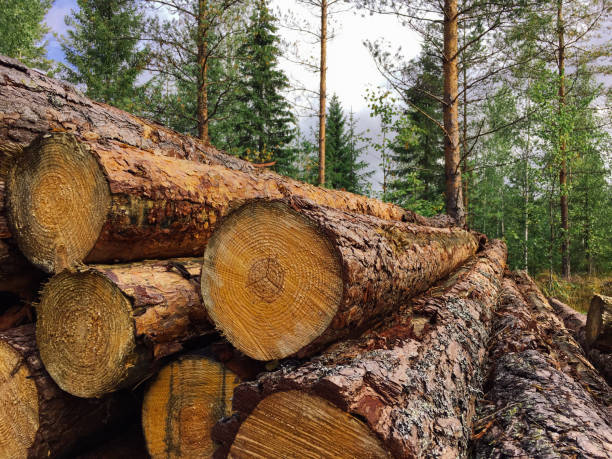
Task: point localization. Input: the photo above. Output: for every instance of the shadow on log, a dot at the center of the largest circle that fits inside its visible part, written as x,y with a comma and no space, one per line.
539,398
411,381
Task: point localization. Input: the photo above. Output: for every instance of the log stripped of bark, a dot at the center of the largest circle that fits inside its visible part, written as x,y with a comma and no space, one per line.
599,323
71,201
106,326
536,404
37,419
412,379
183,403
575,322
288,277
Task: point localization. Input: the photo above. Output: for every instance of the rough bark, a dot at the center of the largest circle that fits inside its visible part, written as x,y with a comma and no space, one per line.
599,323
139,205
413,378
450,111
105,327
56,422
575,322
288,277
537,403
32,104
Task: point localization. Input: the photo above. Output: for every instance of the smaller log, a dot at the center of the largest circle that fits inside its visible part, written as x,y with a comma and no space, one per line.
106,327
183,403
537,404
286,278
37,419
599,323
575,322
406,388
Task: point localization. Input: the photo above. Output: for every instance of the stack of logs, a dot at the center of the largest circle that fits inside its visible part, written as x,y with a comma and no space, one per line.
163,299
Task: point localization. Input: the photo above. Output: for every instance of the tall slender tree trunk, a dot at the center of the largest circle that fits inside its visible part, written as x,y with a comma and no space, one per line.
322,92
464,163
452,153
565,256
526,194
202,71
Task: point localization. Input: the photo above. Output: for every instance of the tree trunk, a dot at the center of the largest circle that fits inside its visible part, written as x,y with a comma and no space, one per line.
101,327
287,277
599,323
450,110
203,71
565,237
323,92
575,322
124,204
186,399
37,419
412,380
537,404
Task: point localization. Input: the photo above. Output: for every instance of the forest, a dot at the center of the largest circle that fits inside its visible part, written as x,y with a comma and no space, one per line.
502,120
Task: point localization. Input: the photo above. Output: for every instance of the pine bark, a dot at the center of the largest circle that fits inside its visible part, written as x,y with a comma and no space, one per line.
64,422
164,308
575,322
543,398
357,267
32,104
450,110
413,378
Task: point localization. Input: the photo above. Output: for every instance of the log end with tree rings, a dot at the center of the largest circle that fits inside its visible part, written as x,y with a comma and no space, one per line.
19,419
182,405
85,333
599,323
271,280
58,200
298,424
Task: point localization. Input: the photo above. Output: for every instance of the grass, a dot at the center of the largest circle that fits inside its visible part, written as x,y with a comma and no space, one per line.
577,291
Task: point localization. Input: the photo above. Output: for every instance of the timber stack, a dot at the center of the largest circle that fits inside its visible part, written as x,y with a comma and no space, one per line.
163,299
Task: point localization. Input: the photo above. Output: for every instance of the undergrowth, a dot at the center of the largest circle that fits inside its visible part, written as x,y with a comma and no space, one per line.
577,291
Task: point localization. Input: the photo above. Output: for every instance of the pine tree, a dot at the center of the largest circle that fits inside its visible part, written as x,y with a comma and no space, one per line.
22,29
263,122
102,48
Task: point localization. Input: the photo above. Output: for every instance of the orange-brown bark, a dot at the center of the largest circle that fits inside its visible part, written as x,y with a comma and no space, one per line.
413,378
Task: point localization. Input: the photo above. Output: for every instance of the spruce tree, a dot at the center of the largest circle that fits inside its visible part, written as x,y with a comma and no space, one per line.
102,48
263,122
22,30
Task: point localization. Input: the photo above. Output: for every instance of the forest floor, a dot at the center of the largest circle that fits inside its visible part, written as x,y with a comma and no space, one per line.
577,291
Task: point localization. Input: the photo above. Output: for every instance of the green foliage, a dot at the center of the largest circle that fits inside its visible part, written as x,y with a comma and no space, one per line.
262,122
22,30
343,168
102,48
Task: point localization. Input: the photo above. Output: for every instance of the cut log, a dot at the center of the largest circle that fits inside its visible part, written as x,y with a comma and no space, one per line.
575,322
37,419
412,380
72,201
599,323
105,327
536,405
183,403
287,277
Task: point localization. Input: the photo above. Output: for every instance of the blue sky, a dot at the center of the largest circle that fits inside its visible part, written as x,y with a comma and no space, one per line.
55,20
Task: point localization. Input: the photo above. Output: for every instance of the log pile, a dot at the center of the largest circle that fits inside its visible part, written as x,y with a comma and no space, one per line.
188,304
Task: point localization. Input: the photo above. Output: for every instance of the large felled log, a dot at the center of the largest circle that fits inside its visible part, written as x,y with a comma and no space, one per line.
411,381
183,403
599,323
71,201
536,405
575,322
104,327
287,277
37,419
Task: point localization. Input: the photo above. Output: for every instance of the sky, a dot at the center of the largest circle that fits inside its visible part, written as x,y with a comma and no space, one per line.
350,70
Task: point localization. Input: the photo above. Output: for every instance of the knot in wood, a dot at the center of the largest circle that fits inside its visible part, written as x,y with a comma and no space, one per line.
266,279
